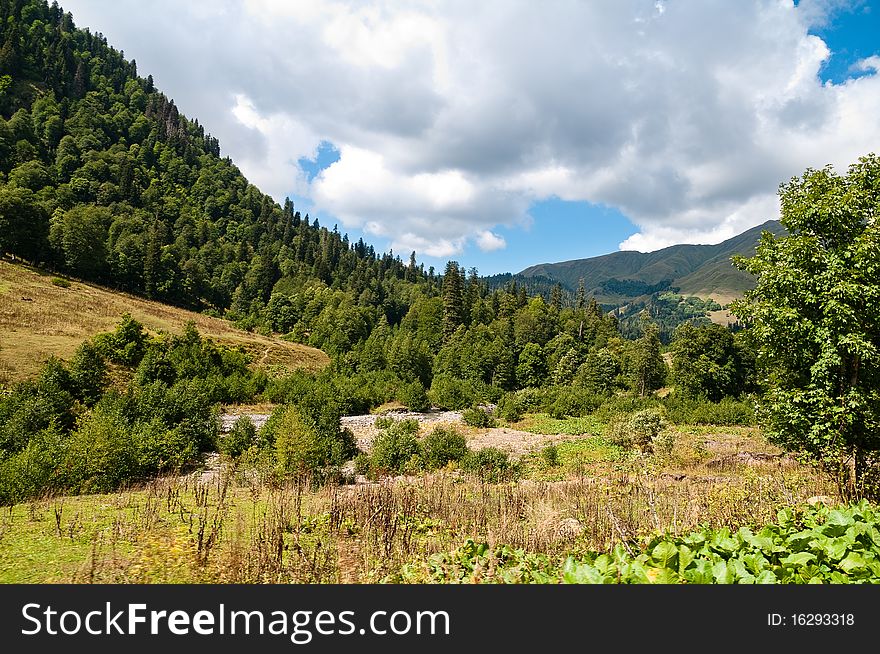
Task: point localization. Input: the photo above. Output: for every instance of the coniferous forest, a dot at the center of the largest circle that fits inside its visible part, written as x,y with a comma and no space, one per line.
103,180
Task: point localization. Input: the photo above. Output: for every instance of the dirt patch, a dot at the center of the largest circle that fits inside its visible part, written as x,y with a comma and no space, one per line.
513,441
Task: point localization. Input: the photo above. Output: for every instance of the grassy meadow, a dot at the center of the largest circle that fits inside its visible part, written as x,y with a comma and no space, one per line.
238,526
42,315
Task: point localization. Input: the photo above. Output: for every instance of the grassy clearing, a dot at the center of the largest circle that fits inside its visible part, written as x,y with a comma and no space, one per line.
236,528
542,423
39,319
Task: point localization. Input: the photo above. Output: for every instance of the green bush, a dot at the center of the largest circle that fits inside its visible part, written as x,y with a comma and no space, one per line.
60,282
443,445
478,417
32,470
728,411
575,402
395,447
414,397
449,392
300,449
550,456
242,435
623,405
508,408
638,430
362,464
491,465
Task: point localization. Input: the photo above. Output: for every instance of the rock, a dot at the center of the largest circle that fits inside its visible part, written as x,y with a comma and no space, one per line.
569,528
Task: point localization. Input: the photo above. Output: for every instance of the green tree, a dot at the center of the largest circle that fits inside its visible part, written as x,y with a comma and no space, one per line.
24,224
80,235
645,366
453,300
531,370
815,316
705,362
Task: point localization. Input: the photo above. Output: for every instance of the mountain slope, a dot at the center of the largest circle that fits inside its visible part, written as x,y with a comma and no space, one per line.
39,319
703,270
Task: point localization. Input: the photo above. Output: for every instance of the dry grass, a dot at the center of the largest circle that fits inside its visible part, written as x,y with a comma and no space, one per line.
238,529
39,320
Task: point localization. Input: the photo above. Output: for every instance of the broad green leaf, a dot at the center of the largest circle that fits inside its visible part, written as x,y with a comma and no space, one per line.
799,559
852,563
766,577
721,573
664,553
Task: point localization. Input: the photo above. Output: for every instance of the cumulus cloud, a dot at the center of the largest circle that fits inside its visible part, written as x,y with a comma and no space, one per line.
452,118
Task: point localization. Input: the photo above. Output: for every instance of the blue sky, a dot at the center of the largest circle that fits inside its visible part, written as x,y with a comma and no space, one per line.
428,126
560,230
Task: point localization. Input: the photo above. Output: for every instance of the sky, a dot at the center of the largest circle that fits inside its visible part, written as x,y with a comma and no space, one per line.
508,133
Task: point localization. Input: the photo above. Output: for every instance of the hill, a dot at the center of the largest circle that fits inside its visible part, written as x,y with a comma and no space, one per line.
39,319
702,270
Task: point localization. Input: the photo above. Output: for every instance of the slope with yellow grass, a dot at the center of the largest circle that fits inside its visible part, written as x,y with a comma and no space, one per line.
40,317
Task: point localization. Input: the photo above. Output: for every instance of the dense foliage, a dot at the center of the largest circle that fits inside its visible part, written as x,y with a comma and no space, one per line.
808,546
815,315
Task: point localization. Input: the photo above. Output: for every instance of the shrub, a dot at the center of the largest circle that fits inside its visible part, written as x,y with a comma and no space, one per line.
622,405
100,455
362,464
637,430
550,456
491,465
478,417
414,397
452,393
443,445
32,470
239,439
300,449
728,411
60,282
395,447
508,408
574,402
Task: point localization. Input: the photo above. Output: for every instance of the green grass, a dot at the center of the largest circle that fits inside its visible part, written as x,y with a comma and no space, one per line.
37,548
542,423
573,458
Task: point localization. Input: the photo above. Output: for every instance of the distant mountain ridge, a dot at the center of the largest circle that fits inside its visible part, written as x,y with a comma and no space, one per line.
702,270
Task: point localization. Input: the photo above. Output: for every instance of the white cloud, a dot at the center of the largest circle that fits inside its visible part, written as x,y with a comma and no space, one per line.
489,241
451,118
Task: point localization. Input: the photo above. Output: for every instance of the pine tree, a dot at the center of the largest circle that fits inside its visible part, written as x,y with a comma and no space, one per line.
453,308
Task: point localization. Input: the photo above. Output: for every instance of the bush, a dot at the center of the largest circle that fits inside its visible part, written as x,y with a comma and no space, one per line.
362,464
395,448
300,449
623,405
550,456
60,282
32,471
508,408
490,465
729,411
414,397
449,392
478,417
574,402
443,445
239,439
638,430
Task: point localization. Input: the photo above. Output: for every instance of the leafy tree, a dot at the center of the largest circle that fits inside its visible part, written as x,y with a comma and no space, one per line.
24,224
815,316
645,366
531,371
705,362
